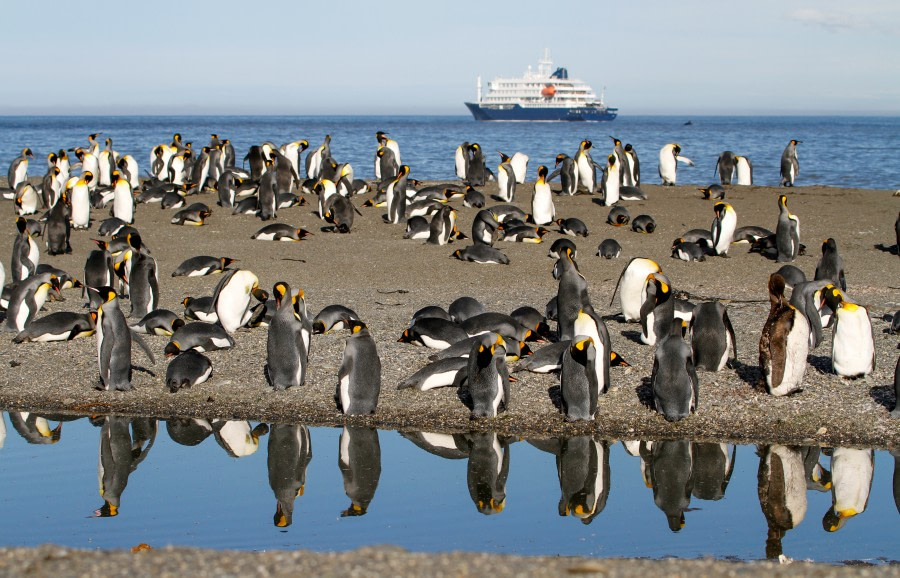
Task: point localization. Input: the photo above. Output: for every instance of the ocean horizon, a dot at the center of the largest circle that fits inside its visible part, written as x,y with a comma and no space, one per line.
852,151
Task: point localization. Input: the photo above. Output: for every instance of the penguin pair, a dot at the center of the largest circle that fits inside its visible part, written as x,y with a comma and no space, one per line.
485,390
27,298
288,341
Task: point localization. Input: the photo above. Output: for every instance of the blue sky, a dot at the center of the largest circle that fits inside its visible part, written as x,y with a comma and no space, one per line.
405,57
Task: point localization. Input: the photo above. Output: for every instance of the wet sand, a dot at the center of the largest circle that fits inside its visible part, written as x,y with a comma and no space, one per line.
385,278
381,561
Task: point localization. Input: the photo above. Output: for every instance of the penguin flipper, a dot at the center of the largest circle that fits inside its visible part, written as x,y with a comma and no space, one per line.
730,329
692,372
135,336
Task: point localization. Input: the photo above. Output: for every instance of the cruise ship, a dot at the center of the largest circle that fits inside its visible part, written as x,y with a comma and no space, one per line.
541,95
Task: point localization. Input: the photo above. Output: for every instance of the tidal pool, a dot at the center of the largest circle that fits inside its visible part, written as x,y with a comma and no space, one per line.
115,482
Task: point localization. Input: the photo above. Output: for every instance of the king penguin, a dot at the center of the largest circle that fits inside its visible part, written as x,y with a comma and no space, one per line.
486,391
359,377
790,166
232,298
506,179
288,339
723,227
113,343
674,380
784,343
587,174
852,342
577,380
712,336
669,156
787,233
631,285
542,209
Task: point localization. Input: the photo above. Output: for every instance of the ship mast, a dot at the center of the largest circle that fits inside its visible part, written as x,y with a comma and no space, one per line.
478,89
545,64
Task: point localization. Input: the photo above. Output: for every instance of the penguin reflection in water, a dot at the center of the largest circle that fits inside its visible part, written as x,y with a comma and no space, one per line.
781,484
359,460
583,467
290,452
124,443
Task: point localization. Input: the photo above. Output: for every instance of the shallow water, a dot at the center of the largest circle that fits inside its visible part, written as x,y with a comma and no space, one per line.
836,151
180,483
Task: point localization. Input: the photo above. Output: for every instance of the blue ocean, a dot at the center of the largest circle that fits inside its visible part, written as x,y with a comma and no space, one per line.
838,151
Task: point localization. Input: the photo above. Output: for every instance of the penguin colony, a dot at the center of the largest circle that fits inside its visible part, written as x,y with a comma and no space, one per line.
686,336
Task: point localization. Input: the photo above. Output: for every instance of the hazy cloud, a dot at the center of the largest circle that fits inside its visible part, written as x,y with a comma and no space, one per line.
831,21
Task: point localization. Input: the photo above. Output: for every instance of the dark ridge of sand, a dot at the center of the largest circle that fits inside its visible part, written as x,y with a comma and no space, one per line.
386,278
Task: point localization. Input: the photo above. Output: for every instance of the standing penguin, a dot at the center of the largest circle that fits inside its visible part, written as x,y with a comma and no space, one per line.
674,379
726,165
231,298
831,267
359,377
711,336
288,341
443,226
395,194
723,227
461,160
568,174
790,167
542,209
18,169
589,324
784,343
852,341
477,173
612,180
25,255
571,294
787,233
587,174
632,166
123,198
744,170
113,343
506,179
577,380
142,279
669,156
266,194
631,281
81,201
486,392
658,309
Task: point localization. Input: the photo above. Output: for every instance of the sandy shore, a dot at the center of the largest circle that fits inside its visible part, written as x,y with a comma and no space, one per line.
380,561
385,278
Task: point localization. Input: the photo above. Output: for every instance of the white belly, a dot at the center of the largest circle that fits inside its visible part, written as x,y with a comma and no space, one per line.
851,471
852,349
432,343
345,393
632,285
796,350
